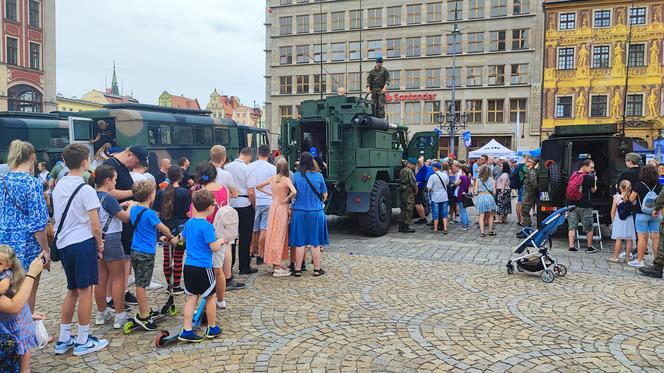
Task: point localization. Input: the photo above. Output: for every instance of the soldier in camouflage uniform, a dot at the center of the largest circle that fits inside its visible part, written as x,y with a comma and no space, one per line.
407,189
655,270
377,82
529,191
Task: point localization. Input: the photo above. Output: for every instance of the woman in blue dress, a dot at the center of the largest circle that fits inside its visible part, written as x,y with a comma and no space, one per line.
23,211
485,189
308,225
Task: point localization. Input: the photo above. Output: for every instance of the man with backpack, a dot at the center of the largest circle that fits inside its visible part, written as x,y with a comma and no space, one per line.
529,191
516,182
580,186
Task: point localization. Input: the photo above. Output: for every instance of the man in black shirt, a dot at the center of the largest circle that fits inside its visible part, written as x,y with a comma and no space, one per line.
187,181
633,163
584,212
162,175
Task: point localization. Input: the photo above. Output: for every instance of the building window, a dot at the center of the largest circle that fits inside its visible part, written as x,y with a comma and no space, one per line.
473,76
519,74
452,77
320,22
374,48
498,8
431,108
495,111
474,110
602,18
412,79
395,80
338,51
285,113
302,54
453,46
476,9
393,111
34,56
564,107
600,56
10,10
497,41
636,56
353,82
434,12
285,25
285,85
12,51
354,50
33,13
565,58
393,48
518,108
520,39
567,21
475,42
355,19
414,14
454,9
413,111
497,75
320,51
413,47
320,83
637,16
302,24
598,106
375,17
394,15
285,2
634,105
338,19
432,78
23,97
433,45
521,7
285,55
338,80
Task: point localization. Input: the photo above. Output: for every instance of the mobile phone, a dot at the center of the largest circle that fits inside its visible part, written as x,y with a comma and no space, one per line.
43,260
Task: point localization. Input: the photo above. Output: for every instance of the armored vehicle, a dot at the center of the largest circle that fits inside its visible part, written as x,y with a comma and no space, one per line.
48,133
563,153
361,157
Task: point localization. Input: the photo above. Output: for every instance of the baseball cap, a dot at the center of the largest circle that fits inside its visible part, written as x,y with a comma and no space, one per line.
141,152
436,165
634,157
379,59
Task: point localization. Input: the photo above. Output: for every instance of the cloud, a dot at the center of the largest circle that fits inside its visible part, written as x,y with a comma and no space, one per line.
184,47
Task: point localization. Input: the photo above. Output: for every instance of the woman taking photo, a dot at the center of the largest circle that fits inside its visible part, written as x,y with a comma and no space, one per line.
504,193
485,204
308,222
23,211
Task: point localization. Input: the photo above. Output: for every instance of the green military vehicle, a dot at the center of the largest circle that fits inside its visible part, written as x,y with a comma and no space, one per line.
362,153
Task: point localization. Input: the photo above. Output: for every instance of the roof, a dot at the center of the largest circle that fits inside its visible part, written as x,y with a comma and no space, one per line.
157,108
185,103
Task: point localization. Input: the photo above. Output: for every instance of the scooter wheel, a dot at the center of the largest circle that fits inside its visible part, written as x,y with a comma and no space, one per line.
172,311
128,327
160,338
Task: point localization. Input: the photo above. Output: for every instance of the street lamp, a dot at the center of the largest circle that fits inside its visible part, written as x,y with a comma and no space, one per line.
450,122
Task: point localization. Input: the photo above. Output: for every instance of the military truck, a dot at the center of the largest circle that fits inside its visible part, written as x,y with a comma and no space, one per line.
563,153
363,156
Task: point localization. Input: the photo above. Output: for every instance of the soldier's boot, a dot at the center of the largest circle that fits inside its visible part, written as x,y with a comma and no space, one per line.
652,271
405,228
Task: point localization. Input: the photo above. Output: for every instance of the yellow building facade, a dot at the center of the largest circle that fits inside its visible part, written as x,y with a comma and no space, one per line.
75,105
593,50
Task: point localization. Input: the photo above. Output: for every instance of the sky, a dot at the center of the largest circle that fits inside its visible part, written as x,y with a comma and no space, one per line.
187,47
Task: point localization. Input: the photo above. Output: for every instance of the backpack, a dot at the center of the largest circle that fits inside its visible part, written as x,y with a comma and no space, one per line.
573,192
515,178
226,223
648,202
624,210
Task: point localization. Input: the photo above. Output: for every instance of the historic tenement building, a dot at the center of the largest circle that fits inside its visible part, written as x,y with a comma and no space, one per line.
603,65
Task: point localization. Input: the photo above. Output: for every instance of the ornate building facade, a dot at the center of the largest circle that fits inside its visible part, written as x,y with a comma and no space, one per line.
169,100
603,65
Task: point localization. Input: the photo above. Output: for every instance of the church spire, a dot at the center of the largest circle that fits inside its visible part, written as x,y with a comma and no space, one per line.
114,83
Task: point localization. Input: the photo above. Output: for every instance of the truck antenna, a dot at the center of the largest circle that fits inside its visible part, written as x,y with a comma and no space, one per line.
320,79
361,25
629,43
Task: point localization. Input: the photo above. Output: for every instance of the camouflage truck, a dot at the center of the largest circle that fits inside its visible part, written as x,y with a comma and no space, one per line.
48,133
363,156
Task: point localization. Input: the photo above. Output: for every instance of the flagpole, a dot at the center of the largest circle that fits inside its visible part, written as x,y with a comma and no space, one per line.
518,130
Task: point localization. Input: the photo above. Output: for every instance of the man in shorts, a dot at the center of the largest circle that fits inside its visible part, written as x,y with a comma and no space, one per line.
262,171
583,213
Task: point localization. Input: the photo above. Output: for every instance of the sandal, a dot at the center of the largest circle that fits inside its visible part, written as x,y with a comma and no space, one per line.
492,233
297,273
482,235
318,272
445,231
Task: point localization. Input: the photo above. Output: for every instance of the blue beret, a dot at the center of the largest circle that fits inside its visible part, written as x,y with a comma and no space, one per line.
412,160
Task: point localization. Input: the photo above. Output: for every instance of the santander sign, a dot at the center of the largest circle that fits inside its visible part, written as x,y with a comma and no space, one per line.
397,97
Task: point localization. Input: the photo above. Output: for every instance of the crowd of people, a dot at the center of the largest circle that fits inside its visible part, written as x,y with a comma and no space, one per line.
105,219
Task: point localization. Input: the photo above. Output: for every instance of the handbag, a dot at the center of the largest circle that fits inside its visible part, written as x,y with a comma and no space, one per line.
319,194
55,254
467,201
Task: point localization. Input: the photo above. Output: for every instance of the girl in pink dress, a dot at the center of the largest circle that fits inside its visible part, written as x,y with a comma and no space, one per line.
276,239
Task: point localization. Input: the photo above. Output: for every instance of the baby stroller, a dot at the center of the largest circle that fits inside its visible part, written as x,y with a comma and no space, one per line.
537,256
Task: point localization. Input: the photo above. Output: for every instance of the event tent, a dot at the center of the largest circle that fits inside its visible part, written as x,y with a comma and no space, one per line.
493,149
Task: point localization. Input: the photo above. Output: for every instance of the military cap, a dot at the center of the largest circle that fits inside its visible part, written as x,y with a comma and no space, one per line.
379,59
412,160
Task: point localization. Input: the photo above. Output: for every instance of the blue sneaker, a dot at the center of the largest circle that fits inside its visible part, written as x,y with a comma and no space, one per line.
189,336
92,345
63,347
212,331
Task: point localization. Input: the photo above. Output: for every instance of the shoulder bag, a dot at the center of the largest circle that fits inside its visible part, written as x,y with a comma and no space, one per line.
108,220
319,194
487,189
55,254
4,184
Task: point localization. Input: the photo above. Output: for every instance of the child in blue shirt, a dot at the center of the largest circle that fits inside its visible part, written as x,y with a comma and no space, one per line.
143,247
199,279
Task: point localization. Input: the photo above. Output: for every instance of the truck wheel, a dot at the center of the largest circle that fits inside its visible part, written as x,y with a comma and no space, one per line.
556,186
376,222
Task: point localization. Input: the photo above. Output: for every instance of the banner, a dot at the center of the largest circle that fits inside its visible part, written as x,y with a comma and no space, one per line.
466,138
658,146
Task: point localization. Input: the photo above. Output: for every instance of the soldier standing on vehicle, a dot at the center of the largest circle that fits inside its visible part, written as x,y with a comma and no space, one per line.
529,191
377,82
408,189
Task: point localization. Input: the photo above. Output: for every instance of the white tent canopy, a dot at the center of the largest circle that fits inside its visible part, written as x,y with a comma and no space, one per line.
493,149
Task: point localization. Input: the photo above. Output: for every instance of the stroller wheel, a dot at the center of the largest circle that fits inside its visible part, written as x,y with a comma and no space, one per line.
510,268
519,268
547,276
560,270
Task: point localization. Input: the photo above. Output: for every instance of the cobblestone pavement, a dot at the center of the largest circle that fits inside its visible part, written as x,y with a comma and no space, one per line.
403,303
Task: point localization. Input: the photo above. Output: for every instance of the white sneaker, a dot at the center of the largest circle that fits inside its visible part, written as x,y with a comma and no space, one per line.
622,255
280,272
154,285
119,321
637,263
103,316
221,305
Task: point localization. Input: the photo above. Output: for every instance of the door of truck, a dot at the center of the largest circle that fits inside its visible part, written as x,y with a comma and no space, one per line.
81,131
290,138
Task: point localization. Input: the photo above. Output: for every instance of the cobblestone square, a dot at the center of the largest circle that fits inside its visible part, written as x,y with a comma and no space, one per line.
403,303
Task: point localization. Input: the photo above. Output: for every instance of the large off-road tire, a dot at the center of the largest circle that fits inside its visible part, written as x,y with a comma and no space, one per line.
376,222
556,184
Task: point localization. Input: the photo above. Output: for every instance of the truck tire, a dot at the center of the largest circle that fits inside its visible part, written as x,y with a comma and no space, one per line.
376,222
556,187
